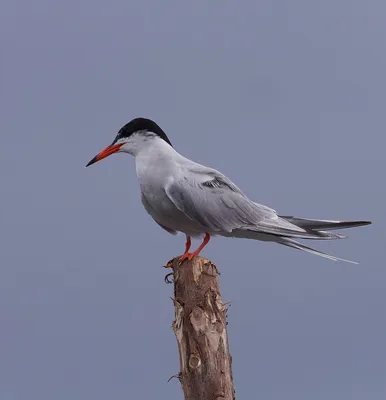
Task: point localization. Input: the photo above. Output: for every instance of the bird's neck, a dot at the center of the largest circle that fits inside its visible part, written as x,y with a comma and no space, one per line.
156,147
157,153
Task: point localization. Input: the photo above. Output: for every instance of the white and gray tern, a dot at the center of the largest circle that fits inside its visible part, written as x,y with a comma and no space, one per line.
183,196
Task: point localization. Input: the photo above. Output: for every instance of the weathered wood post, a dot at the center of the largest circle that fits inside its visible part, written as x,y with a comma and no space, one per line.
201,331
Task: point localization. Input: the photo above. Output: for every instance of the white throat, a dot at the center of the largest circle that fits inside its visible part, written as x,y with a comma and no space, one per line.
156,161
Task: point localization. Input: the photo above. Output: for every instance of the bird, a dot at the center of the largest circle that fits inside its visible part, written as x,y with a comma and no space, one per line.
184,196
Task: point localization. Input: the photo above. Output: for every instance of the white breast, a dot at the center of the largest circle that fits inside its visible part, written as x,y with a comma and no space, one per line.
156,166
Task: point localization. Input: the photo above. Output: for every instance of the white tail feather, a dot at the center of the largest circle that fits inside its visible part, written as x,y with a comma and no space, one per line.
296,245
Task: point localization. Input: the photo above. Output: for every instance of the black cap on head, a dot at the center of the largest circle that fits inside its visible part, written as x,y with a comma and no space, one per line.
141,124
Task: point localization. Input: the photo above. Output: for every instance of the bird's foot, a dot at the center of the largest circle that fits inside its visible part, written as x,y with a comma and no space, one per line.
169,264
181,259
186,256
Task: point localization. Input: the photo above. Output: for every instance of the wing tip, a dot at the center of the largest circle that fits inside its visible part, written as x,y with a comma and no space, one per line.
366,223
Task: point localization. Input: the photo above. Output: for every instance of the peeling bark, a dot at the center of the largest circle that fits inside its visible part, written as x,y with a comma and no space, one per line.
200,329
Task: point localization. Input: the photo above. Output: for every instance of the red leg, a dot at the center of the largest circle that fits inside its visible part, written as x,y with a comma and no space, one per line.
189,256
203,244
187,247
188,244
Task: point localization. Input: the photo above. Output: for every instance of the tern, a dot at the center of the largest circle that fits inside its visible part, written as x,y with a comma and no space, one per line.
184,196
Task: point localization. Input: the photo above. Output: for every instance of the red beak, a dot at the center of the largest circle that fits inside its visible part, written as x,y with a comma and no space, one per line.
113,148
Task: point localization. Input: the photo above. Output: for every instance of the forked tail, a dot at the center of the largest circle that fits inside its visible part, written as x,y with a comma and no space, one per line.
296,245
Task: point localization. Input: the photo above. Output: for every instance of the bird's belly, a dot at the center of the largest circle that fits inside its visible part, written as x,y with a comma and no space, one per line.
165,213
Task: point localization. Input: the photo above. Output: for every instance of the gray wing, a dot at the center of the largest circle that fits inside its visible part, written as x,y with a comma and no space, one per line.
210,198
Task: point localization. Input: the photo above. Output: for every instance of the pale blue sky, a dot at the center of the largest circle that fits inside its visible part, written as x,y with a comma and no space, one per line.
287,98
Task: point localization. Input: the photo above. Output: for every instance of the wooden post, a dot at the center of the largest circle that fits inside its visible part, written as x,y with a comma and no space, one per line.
201,332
